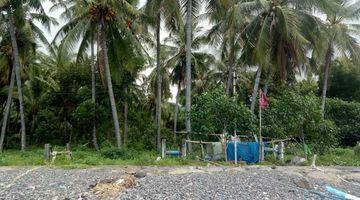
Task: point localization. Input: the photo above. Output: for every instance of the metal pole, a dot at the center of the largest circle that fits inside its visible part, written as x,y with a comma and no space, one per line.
260,134
235,147
235,139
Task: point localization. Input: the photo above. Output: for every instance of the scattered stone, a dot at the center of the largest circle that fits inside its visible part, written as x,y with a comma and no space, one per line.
140,174
210,183
303,183
107,181
298,161
273,166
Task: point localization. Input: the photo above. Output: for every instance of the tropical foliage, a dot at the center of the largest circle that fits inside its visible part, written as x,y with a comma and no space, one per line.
117,73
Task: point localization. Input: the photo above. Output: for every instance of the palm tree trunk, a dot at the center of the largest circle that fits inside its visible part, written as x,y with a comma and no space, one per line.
109,84
93,94
177,108
7,109
328,58
18,78
229,83
255,90
32,128
158,89
126,123
188,68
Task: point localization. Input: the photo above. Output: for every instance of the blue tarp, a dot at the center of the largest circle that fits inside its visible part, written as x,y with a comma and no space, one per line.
246,151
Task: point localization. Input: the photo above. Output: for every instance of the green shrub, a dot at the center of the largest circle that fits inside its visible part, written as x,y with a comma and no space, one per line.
118,154
214,112
346,116
357,150
295,112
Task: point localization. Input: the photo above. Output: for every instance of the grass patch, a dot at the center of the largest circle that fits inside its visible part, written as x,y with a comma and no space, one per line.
339,157
82,158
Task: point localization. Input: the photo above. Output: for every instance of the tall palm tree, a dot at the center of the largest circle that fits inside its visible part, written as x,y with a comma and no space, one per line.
93,91
191,9
169,11
279,36
340,38
176,48
229,19
20,16
107,20
16,66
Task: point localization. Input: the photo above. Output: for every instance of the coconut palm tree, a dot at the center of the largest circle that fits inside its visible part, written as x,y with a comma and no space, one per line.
280,35
340,38
176,49
229,19
169,12
21,14
191,10
107,20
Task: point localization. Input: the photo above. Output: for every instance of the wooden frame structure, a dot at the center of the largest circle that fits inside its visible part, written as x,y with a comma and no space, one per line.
50,154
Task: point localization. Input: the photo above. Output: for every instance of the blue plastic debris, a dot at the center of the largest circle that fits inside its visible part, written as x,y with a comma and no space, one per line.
341,194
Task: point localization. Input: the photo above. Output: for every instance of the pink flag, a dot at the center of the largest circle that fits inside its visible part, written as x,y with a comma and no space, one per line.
264,101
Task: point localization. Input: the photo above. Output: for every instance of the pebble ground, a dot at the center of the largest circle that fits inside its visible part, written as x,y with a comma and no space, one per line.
160,183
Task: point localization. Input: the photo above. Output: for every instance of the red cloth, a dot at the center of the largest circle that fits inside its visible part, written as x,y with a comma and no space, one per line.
264,100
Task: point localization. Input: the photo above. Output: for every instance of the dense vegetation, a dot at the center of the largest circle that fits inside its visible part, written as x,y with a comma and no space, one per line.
108,77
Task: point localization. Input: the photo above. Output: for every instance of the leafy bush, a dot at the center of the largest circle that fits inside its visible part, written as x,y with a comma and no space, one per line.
357,150
214,112
345,81
346,116
290,113
114,153
293,112
323,136
49,128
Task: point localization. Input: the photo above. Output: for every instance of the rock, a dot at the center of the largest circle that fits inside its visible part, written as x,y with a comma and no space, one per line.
298,161
273,166
107,181
139,174
158,158
303,183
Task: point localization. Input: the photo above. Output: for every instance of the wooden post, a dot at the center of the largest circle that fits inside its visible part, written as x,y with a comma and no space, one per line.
275,149
47,153
163,148
68,151
202,150
183,148
313,164
225,148
282,146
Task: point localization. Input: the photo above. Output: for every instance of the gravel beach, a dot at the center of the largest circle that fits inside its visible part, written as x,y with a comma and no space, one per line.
249,182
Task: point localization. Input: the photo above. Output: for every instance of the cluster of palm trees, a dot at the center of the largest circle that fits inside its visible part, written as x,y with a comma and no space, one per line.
275,37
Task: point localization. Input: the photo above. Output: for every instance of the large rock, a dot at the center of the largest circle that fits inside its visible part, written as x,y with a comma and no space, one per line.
303,183
140,174
298,161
